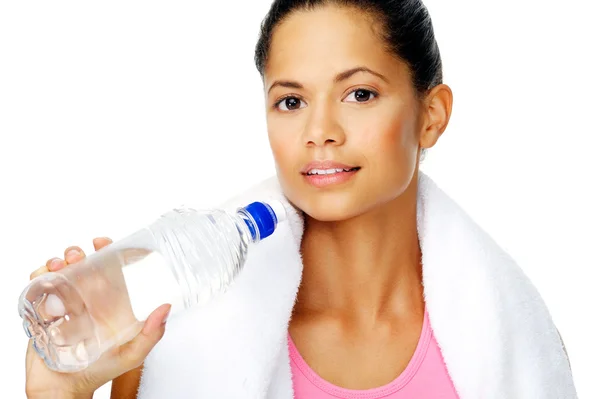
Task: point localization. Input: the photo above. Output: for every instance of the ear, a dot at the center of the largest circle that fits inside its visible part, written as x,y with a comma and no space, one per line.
437,110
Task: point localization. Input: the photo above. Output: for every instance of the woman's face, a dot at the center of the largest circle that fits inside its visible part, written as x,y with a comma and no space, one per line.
342,115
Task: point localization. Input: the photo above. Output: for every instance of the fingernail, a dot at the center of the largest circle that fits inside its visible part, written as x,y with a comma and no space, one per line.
56,263
73,254
166,316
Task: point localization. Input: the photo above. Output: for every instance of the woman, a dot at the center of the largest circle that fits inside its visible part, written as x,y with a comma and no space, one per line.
391,274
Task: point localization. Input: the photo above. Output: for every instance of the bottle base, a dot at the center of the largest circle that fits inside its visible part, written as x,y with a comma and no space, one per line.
63,337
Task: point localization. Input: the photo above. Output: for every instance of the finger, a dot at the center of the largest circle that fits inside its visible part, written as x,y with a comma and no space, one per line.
133,353
156,320
38,272
54,264
101,242
73,254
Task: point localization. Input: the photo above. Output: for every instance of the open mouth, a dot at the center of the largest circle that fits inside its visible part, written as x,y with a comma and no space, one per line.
314,172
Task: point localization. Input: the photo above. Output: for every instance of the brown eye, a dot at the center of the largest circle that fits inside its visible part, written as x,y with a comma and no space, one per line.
290,104
361,96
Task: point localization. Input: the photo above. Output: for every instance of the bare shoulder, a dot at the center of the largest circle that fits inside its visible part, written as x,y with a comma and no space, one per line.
126,386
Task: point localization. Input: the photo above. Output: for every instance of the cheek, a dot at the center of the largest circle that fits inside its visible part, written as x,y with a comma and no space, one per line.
286,155
283,142
389,144
389,147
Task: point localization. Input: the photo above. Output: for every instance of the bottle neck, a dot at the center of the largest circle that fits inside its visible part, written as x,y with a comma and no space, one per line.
248,226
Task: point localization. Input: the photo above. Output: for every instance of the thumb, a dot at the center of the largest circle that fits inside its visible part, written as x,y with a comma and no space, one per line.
133,353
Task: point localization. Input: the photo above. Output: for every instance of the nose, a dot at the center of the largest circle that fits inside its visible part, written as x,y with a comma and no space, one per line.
323,128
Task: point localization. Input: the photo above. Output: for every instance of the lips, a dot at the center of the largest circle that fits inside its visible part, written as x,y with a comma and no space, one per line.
327,167
322,174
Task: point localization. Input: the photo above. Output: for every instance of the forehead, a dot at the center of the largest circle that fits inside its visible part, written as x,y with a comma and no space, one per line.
326,40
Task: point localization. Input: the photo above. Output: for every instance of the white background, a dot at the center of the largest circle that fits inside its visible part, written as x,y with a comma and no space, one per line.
113,112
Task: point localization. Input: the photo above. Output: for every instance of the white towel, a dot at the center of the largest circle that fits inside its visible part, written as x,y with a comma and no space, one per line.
494,330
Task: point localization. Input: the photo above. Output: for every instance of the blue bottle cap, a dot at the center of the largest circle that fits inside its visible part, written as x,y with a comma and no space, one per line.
264,217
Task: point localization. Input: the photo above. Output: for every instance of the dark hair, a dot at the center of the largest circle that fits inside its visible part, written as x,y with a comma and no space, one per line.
405,24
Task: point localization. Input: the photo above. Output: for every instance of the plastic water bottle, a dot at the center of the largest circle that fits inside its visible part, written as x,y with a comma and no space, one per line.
185,258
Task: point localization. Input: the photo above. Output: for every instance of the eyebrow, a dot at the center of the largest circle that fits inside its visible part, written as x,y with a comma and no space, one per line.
338,78
347,74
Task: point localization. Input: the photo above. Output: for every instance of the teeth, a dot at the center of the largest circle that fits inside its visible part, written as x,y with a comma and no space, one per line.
326,171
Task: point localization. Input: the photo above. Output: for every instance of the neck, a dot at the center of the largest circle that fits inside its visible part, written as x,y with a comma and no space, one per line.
367,267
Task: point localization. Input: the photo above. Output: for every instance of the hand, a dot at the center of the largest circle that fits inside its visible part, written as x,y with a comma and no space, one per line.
46,383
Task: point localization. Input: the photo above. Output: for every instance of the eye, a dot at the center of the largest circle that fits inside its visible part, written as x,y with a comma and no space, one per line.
361,95
290,104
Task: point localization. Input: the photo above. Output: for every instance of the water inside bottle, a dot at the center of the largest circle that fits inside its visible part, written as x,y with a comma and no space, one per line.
77,314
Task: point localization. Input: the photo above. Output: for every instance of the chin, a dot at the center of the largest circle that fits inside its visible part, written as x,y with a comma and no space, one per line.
327,214
328,206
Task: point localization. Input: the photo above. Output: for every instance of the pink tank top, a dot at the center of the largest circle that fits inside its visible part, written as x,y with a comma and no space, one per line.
425,376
